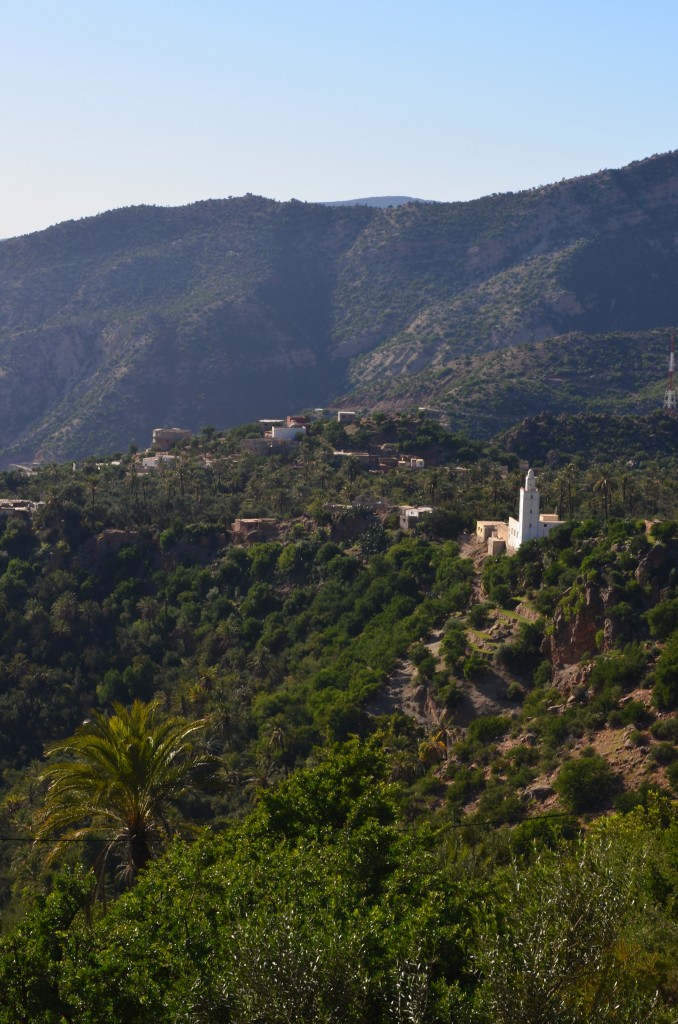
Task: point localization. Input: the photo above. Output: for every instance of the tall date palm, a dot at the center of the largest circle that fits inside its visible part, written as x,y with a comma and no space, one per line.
118,780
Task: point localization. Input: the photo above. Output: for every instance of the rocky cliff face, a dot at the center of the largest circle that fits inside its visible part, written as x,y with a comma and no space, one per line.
575,628
658,569
586,623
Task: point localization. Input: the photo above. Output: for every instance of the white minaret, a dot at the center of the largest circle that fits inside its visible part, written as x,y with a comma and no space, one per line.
528,515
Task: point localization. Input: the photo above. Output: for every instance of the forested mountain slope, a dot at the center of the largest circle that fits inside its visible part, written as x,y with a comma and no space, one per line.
608,438
231,309
444,784
615,373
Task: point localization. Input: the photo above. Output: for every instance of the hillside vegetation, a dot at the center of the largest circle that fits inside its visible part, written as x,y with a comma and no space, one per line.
574,374
231,309
606,438
442,786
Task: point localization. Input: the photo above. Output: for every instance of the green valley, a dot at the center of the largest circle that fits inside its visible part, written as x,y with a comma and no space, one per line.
428,785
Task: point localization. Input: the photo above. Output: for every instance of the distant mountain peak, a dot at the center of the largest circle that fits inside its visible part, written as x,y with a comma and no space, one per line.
248,307
381,201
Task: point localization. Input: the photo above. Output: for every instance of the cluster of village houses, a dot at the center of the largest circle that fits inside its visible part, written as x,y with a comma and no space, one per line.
498,536
18,508
247,531
278,434
282,433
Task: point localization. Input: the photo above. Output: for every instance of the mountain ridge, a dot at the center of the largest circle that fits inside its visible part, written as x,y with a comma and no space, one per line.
227,310
379,201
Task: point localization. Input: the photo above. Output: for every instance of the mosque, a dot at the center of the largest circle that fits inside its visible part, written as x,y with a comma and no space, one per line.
529,525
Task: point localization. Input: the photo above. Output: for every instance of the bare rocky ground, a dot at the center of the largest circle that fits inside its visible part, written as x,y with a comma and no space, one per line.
487,696
626,753
403,692
470,548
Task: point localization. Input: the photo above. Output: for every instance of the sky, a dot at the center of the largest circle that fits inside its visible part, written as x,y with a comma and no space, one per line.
121,103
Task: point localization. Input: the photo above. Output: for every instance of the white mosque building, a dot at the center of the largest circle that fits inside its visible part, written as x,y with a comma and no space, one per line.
529,525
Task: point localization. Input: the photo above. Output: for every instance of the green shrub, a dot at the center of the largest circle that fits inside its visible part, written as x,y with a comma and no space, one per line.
629,800
489,728
665,693
665,729
501,595
454,644
449,694
542,674
427,667
546,599
499,579
633,713
465,785
500,804
475,666
418,653
586,784
478,615
664,532
663,618
663,753
524,654
625,670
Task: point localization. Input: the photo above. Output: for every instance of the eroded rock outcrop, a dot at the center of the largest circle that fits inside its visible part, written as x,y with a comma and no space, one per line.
658,569
575,625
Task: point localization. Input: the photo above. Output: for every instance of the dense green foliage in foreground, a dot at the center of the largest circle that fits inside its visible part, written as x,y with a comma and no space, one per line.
325,905
354,865
117,782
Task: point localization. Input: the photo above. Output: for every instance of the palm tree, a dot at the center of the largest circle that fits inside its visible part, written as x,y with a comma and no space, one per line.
277,738
606,485
118,780
627,492
260,775
567,479
446,733
433,481
432,750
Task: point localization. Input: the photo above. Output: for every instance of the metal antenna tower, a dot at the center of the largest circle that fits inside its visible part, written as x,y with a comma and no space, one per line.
670,394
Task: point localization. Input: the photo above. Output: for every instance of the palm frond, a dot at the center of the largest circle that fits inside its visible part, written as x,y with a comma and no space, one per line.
118,778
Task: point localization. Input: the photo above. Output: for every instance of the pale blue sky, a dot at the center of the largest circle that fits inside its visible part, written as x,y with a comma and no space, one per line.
114,104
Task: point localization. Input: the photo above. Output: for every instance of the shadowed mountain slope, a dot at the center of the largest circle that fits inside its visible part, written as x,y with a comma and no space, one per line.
227,310
603,437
